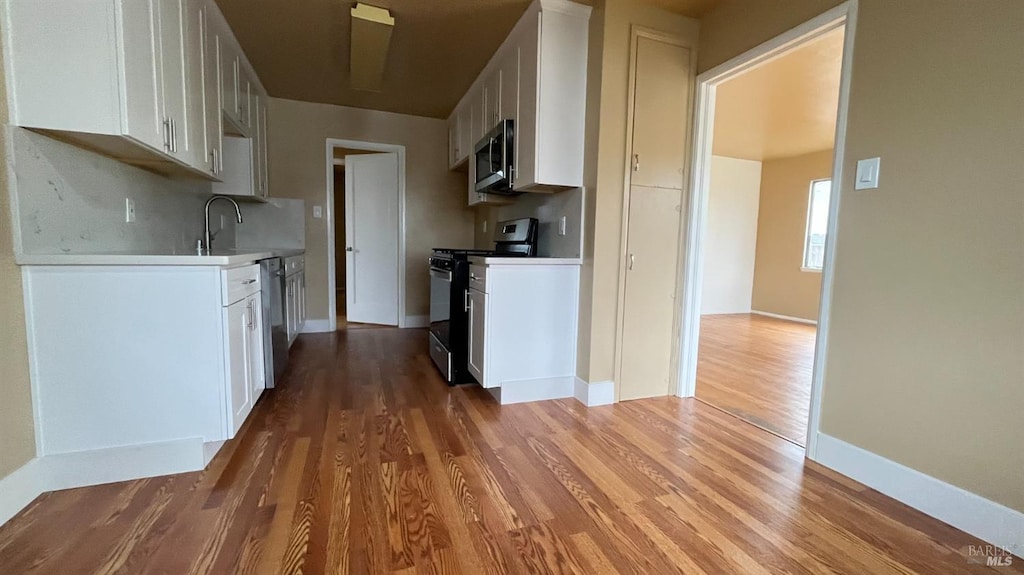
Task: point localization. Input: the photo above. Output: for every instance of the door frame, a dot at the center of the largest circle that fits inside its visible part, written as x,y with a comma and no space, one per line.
331,217
842,15
637,32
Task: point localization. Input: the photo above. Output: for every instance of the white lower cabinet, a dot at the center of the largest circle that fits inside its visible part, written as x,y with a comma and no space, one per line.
522,327
243,331
477,333
143,356
295,296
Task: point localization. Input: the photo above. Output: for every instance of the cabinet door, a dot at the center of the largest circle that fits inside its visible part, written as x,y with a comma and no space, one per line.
477,335
257,145
526,126
213,148
236,328
143,97
466,140
228,71
659,114
257,374
510,100
197,152
302,301
453,140
172,73
492,101
264,148
246,97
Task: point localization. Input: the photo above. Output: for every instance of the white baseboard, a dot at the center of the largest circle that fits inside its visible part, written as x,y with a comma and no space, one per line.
96,467
416,321
785,317
18,489
533,390
317,326
594,394
986,520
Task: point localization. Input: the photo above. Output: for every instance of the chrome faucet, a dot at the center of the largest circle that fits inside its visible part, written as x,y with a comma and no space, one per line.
208,237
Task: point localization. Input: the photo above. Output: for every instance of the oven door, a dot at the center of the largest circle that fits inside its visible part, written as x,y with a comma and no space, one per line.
440,304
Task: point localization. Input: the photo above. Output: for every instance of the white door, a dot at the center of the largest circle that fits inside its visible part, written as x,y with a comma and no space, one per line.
257,367
371,238
660,130
648,316
477,332
237,321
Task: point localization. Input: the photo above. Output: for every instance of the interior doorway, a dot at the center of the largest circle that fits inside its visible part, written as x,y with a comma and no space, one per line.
366,233
766,230
770,138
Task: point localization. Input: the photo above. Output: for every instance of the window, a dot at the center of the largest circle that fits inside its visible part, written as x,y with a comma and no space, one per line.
817,225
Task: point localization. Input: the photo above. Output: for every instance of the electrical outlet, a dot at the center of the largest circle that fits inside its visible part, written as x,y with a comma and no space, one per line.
561,226
223,221
485,226
129,210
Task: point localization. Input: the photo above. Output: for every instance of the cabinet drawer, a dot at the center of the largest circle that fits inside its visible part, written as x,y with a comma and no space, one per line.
478,278
294,264
239,283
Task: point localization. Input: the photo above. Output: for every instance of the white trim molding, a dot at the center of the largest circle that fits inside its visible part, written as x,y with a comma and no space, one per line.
971,513
843,15
332,294
596,393
784,317
96,467
526,390
319,326
20,488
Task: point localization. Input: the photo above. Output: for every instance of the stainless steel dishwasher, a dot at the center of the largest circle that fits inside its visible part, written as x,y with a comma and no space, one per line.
275,331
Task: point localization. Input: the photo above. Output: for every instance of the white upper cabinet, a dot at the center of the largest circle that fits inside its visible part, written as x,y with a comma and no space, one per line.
152,81
538,77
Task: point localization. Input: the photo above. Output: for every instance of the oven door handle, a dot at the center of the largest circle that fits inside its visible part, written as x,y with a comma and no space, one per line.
443,275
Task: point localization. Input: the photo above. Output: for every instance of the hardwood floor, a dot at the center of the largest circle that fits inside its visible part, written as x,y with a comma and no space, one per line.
363,461
759,369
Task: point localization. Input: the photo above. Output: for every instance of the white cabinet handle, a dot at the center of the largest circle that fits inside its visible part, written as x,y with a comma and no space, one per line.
632,260
248,282
465,298
167,134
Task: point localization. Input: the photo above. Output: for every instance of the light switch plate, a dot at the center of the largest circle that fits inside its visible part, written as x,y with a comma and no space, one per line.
867,174
318,212
129,210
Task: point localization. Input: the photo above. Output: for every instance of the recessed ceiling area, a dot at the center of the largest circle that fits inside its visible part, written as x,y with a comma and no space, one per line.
301,50
784,108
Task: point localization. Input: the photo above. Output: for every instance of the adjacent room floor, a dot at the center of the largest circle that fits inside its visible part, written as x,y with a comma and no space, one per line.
758,368
363,461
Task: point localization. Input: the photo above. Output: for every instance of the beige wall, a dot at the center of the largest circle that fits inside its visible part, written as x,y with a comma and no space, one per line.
436,213
17,434
925,354
779,284
731,237
605,173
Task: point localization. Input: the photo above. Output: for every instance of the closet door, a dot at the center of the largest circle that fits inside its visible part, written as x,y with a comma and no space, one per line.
661,115
660,131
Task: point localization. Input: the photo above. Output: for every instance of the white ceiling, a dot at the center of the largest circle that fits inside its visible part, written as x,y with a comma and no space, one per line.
784,108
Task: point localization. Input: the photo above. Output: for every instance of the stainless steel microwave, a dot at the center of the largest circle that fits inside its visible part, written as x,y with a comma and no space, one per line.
493,157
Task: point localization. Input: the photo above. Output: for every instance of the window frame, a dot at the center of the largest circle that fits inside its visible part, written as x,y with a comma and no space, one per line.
807,225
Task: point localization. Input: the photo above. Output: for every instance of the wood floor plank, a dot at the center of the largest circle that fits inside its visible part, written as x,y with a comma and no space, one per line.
363,461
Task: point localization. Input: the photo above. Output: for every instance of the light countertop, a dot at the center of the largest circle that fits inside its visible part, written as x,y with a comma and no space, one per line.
521,261
229,257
